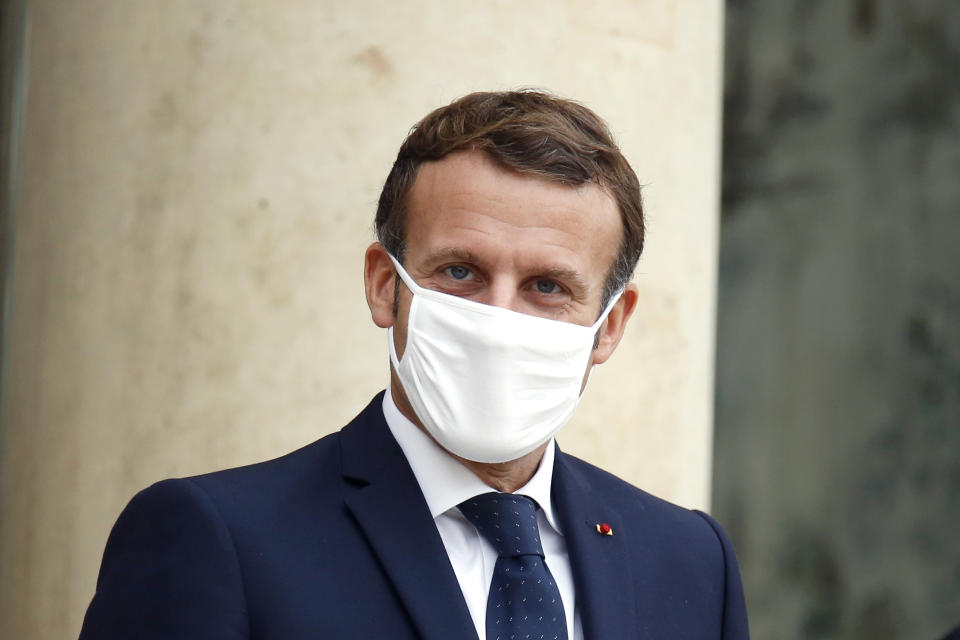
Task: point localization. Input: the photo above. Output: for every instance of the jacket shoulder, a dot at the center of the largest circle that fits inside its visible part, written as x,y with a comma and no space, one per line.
614,488
315,461
687,529
676,549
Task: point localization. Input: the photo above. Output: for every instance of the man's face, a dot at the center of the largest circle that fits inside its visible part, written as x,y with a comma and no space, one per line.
521,242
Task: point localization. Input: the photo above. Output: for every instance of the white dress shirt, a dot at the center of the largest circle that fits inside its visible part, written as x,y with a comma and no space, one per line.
445,483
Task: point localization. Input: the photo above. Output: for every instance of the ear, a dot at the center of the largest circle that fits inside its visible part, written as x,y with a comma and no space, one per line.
379,276
616,322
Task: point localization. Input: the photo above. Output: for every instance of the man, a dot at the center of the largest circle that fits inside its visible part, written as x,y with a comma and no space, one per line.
509,229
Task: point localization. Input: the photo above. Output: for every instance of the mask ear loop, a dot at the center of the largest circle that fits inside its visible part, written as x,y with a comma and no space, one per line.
407,279
414,288
614,299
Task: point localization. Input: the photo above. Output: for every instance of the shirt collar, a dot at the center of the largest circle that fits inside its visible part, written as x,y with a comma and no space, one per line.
444,481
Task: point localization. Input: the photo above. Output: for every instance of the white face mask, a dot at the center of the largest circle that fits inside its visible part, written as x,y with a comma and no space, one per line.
489,384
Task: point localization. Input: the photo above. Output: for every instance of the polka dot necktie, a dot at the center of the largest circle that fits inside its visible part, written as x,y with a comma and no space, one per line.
524,601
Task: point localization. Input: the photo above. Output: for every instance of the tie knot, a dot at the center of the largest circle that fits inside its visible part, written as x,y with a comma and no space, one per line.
507,521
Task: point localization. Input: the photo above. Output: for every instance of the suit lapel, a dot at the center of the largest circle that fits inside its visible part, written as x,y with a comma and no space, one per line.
600,563
390,509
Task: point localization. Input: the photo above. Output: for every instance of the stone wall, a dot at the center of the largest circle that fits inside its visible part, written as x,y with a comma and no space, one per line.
197,189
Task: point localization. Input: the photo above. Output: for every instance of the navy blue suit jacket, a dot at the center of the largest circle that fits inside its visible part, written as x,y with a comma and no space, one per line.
335,540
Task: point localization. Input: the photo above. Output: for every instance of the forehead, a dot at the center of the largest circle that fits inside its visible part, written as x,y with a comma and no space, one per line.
467,199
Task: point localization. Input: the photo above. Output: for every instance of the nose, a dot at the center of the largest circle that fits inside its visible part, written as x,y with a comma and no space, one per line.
504,293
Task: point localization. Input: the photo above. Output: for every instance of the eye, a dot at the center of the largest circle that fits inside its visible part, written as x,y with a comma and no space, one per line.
547,287
457,272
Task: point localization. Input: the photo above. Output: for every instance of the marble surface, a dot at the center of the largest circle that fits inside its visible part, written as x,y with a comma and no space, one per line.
838,376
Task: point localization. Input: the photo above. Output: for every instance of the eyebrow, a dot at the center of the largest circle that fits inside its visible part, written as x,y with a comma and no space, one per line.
451,253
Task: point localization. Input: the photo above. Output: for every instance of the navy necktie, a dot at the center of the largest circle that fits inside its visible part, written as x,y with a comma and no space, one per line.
524,601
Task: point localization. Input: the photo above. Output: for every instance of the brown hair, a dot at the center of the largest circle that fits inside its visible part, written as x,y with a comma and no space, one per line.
530,132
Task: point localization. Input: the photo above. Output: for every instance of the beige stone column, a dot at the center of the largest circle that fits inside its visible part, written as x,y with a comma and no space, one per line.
197,186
